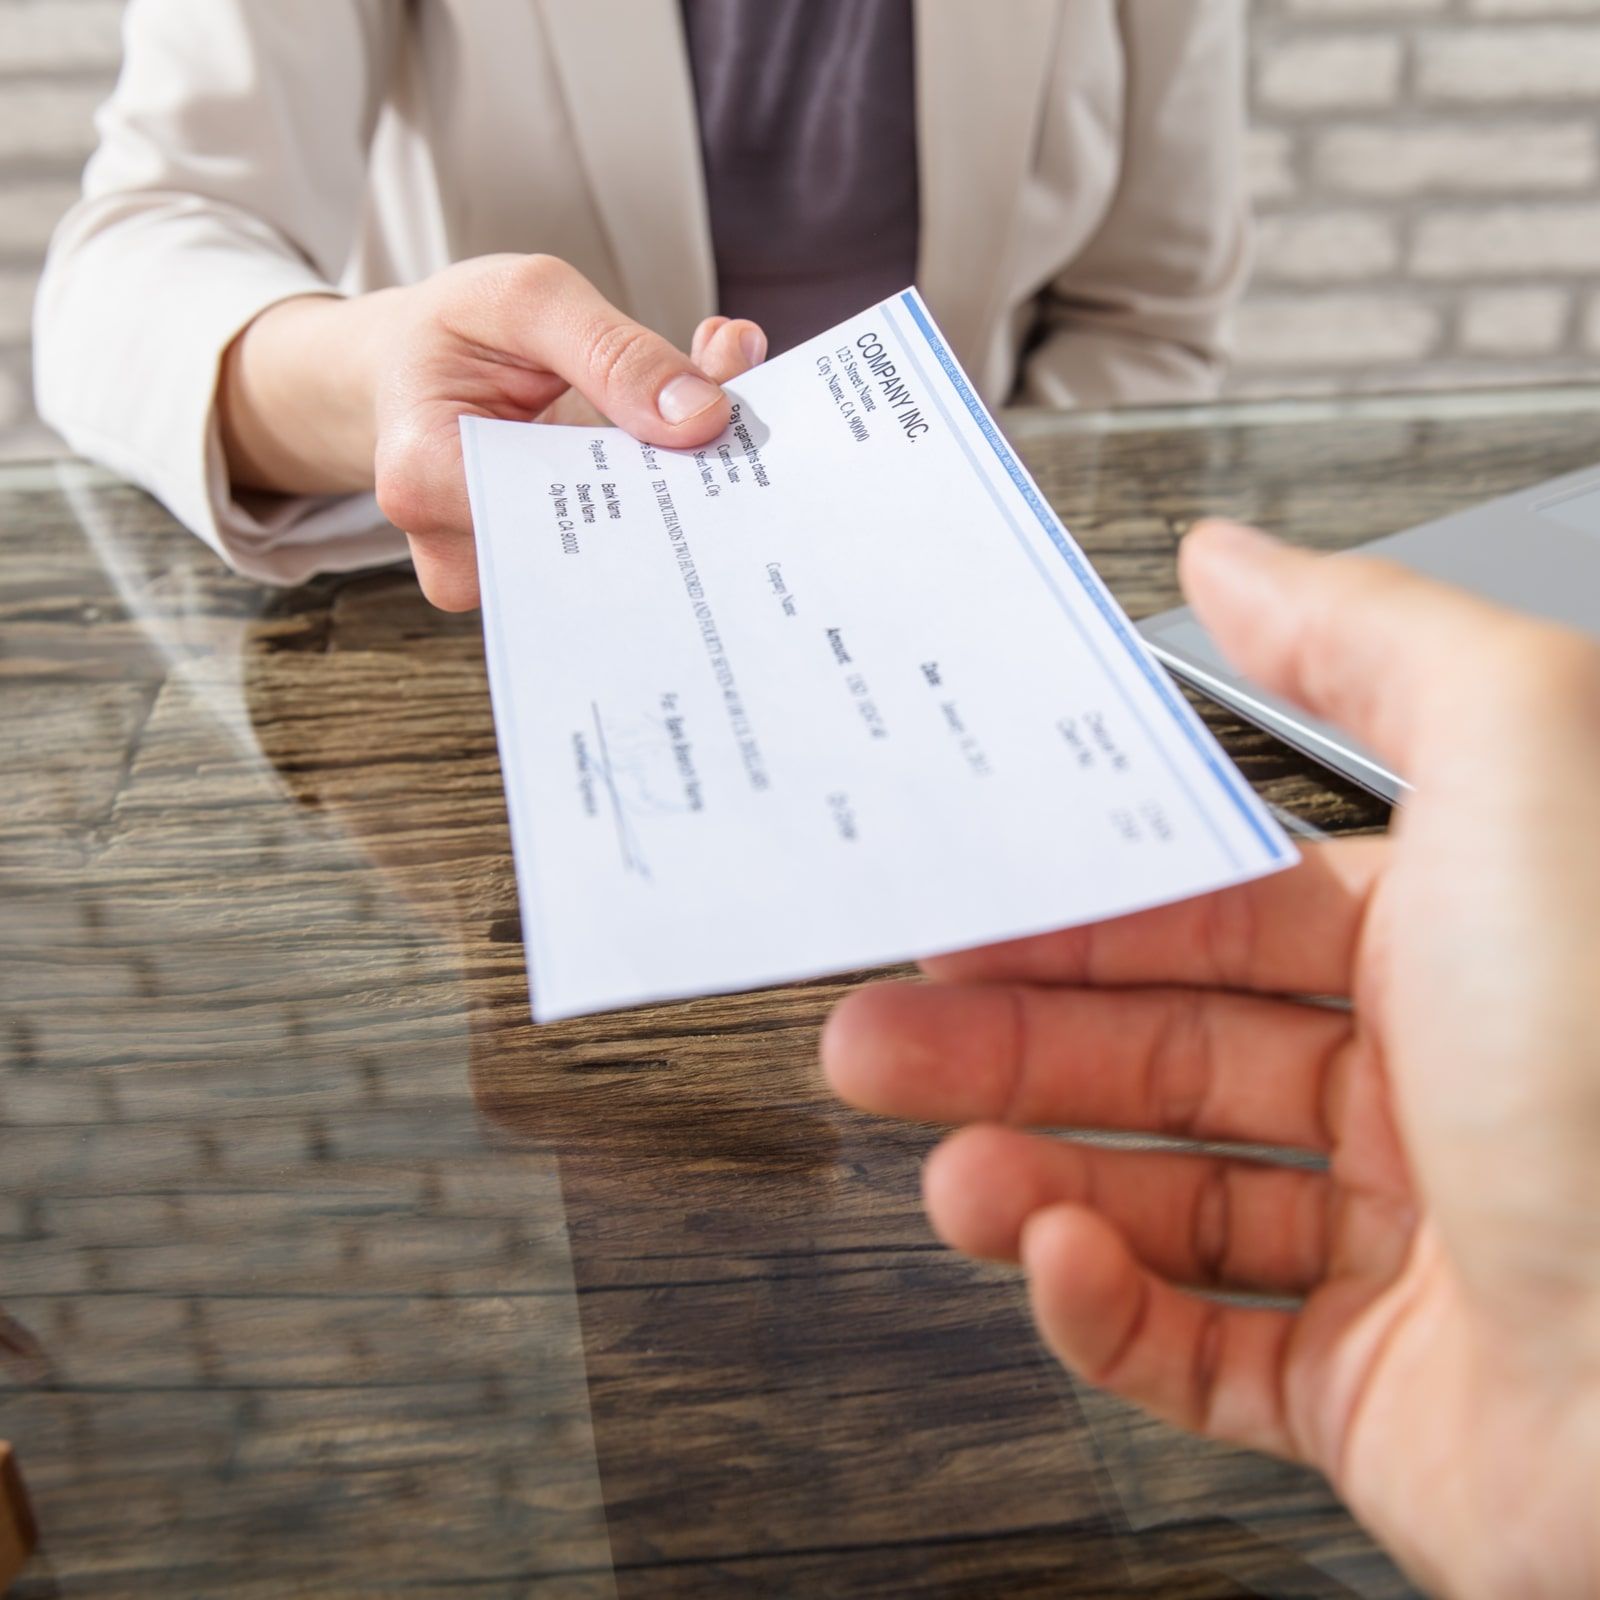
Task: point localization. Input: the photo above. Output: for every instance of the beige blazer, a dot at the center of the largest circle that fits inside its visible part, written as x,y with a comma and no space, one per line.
1083,212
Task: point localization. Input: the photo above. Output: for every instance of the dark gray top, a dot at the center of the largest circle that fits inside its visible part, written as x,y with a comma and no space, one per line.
808,125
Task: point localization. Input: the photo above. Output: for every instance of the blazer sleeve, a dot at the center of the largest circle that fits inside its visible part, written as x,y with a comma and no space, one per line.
230,174
1140,315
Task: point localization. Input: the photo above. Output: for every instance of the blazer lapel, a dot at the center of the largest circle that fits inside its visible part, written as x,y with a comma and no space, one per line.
625,70
981,75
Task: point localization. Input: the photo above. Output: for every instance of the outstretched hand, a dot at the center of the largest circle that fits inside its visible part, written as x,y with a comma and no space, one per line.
1443,1368
530,339
321,395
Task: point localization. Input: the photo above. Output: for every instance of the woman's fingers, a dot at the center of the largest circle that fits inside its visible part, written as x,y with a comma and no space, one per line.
1192,1063
726,349
1201,1220
500,337
697,344
544,314
514,336
1214,1369
1292,933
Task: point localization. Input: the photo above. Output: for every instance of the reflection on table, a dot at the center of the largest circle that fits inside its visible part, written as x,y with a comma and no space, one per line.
324,1271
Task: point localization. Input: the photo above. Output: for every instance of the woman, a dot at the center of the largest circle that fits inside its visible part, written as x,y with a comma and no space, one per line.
317,231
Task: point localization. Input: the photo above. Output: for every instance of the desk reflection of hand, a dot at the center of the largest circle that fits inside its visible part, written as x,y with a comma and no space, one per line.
1444,1369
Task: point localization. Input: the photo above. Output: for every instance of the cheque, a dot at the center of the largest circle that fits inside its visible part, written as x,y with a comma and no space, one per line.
835,691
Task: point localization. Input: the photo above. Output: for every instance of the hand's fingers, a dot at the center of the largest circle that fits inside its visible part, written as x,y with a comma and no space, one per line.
1214,1369
545,314
1355,641
731,350
422,489
1201,1220
441,548
447,570
697,344
1182,1062
570,410
430,494
1292,933
515,330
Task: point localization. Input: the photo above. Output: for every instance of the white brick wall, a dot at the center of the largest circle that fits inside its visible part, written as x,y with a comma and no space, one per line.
1427,175
57,60
59,35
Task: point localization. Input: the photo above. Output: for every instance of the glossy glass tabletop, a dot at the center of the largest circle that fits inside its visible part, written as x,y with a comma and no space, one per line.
324,1271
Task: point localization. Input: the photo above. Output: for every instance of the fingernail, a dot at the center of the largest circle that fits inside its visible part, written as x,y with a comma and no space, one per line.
753,342
685,397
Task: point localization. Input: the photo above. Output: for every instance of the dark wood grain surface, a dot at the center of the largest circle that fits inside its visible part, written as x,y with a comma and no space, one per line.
325,1272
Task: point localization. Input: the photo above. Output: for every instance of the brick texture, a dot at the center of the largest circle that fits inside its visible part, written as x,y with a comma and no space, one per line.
57,61
1427,178
1426,174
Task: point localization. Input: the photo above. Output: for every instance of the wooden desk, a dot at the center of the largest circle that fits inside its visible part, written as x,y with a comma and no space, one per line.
325,1272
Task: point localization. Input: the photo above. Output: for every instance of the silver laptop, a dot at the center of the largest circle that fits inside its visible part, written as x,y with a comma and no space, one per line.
1537,550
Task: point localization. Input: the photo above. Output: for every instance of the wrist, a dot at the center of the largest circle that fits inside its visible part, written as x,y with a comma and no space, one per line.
296,394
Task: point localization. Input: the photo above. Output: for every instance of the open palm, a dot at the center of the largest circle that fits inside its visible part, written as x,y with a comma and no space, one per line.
1443,1250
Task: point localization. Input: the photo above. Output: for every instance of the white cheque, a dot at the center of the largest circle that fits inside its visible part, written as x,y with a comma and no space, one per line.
835,691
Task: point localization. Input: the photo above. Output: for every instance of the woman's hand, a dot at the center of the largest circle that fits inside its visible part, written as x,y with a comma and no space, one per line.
1444,1366
326,396
722,348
